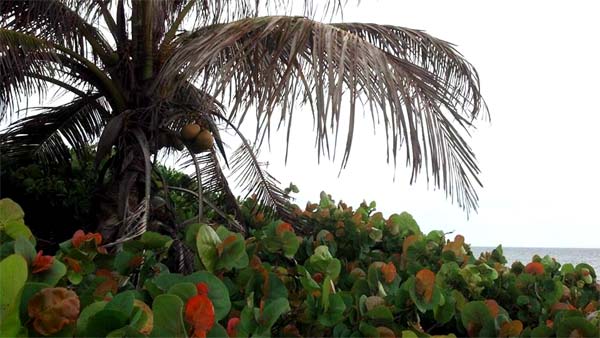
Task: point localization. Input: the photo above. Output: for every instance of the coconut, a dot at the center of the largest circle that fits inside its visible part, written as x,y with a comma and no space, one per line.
203,142
190,132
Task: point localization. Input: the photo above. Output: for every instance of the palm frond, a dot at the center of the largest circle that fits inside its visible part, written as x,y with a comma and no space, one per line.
257,182
62,22
418,86
214,181
21,54
221,11
50,134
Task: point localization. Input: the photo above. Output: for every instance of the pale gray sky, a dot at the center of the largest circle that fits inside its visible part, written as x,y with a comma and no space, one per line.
538,63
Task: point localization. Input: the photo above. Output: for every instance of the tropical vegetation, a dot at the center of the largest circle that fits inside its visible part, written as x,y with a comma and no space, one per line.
360,275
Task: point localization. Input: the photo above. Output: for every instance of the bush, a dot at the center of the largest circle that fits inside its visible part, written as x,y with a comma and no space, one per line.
359,274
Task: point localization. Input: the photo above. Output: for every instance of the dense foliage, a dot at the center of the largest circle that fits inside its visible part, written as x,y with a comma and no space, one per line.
359,274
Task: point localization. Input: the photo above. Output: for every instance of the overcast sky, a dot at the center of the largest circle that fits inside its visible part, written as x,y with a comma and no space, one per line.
539,68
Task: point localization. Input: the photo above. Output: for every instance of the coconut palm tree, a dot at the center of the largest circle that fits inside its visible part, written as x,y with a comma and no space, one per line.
139,71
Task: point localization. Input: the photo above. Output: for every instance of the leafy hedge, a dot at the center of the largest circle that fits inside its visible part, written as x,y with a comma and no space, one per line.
360,274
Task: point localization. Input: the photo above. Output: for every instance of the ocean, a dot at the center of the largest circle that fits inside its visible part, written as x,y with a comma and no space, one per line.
562,255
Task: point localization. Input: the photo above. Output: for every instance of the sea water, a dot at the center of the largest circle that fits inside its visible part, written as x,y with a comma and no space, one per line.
562,255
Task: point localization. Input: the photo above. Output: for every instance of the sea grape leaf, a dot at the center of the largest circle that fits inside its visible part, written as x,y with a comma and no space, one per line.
154,240
184,290
13,274
25,248
11,220
53,309
206,244
53,275
168,317
86,313
271,312
122,302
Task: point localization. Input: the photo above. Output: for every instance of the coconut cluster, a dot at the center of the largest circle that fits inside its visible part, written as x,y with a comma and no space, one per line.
197,138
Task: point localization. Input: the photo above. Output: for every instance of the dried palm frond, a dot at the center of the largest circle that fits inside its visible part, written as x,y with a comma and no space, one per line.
416,85
257,182
63,22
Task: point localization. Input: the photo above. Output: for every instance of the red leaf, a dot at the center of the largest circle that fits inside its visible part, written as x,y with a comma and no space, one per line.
534,268
232,326
200,312
80,237
41,263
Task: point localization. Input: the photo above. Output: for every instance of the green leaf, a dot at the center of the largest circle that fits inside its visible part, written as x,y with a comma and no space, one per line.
368,330
25,248
13,274
162,283
168,317
335,311
542,331
271,312
290,244
381,313
153,240
583,328
234,253
104,322
122,302
206,243
476,316
403,224
443,313
217,331
11,220
217,292
322,261
86,313
74,277
183,290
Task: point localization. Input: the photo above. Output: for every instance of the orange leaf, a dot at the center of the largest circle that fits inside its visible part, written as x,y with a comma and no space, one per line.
456,246
73,264
561,306
534,268
493,307
221,246
41,263
109,285
389,272
52,309
424,284
511,329
283,227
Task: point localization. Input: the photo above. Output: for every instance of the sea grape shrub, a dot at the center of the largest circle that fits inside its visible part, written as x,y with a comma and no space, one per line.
358,274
